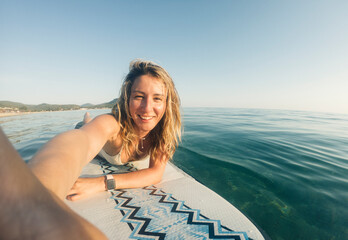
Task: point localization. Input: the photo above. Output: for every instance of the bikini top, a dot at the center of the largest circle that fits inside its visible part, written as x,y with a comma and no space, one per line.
116,160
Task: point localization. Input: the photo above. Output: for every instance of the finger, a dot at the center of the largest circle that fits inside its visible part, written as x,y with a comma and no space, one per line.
68,197
74,197
72,191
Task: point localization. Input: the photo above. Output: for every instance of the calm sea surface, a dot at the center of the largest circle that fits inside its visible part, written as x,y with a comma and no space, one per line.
286,170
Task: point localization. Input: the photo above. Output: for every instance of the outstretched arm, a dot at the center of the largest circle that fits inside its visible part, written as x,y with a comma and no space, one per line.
145,177
59,163
30,211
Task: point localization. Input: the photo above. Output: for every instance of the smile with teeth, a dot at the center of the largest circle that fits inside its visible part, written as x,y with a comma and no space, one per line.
145,118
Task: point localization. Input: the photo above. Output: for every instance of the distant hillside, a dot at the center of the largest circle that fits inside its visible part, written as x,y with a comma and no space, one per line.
106,105
87,105
8,106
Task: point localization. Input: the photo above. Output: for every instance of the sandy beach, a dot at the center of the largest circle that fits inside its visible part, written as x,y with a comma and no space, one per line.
8,114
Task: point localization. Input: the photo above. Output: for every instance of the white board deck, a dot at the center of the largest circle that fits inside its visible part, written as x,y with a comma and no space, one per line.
178,207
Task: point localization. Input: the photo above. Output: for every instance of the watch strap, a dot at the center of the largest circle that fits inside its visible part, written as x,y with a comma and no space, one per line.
110,182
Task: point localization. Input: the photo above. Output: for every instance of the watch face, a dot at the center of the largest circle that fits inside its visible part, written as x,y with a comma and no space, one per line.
110,184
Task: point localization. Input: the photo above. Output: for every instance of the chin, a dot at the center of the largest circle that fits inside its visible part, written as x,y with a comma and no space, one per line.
147,127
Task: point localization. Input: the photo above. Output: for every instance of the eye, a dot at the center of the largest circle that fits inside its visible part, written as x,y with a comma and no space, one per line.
158,99
138,97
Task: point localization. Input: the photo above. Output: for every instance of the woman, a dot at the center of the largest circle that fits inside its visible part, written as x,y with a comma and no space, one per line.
145,123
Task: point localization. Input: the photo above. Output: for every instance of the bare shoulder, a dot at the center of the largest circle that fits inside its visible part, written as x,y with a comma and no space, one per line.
104,124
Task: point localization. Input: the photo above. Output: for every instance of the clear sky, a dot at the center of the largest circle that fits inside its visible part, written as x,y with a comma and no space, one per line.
243,54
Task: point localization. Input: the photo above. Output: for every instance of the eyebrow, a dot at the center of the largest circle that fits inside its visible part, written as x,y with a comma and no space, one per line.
156,94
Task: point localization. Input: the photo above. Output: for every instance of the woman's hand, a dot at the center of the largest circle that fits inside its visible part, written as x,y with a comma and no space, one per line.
86,186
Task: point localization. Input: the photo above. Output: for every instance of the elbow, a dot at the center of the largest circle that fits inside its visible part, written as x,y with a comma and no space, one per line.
158,180
156,175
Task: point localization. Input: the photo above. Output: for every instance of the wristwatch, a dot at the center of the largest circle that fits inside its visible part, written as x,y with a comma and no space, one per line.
110,182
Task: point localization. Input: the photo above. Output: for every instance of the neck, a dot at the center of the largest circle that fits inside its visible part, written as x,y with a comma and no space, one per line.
143,138
143,134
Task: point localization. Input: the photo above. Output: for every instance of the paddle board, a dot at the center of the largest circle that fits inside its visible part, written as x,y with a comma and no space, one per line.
178,207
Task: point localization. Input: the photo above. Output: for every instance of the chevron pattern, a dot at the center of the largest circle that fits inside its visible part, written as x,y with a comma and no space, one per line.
154,214
108,168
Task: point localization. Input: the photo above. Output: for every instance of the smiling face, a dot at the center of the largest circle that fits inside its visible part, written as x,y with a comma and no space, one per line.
147,103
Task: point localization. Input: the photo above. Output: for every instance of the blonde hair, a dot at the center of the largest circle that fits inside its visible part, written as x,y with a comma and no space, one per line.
167,133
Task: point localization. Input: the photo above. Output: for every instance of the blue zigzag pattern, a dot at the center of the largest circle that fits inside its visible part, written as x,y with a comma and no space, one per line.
108,168
194,214
140,223
142,229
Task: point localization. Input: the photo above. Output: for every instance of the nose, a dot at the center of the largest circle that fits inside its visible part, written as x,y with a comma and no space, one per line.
146,104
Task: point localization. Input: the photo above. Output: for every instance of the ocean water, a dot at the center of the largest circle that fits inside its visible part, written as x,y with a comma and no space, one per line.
285,170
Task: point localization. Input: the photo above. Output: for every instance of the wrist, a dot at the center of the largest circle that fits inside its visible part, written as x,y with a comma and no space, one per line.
110,183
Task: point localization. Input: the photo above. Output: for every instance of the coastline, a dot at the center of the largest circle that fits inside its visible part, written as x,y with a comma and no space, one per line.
9,114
